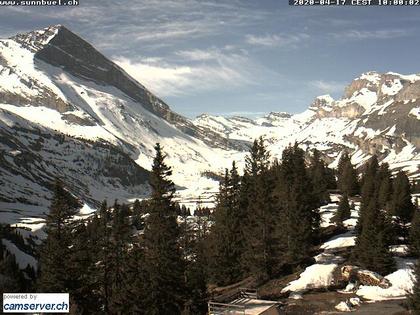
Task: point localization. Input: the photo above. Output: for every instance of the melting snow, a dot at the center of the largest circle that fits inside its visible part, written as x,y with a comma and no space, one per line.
315,276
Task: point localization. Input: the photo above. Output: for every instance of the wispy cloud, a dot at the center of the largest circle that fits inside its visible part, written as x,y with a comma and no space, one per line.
327,86
376,34
214,70
198,54
276,40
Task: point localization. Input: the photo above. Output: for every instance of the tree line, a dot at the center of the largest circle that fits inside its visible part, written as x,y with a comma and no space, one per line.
150,259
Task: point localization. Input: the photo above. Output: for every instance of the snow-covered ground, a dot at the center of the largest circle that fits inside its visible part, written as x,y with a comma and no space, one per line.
320,274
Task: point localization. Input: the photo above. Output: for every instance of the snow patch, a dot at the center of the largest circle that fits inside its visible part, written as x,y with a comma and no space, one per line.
315,276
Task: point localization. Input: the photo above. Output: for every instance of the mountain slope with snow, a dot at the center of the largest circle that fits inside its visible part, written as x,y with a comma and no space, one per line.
378,114
55,81
55,85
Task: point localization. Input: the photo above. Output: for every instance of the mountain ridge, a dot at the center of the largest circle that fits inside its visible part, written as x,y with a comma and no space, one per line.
54,80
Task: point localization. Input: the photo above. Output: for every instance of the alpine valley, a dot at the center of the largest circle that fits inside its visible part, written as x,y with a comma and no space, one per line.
67,111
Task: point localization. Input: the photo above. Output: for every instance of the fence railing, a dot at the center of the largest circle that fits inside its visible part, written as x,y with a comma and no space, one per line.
248,293
225,309
217,308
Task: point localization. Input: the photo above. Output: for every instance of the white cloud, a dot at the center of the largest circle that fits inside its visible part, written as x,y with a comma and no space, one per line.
198,54
378,34
277,40
183,78
327,86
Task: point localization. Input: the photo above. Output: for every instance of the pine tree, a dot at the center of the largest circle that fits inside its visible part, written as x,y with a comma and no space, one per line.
347,176
414,298
261,254
369,189
371,250
138,213
119,243
196,274
163,265
372,243
320,177
85,298
56,251
401,205
299,218
343,211
414,237
103,254
385,186
226,237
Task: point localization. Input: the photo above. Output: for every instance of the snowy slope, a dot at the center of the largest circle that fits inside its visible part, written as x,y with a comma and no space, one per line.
63,100
52,80
377,114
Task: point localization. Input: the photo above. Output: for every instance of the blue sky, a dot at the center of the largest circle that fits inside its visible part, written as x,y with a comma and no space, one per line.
237,57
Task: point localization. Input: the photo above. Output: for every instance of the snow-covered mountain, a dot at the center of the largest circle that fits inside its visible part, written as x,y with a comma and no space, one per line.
68,111
379,113
64,104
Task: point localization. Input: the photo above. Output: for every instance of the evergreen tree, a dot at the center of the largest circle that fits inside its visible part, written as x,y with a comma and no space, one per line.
320,177
103,256
163,265
119,243
347,176
414,298
136,286
369,189
371,250
85,298
138,213
401,205
261,254
343,211
415,234
385,186
56,252
299,218
226,238
196,274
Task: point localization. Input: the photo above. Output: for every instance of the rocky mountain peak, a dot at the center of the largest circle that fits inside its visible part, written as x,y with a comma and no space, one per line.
322,101
38,39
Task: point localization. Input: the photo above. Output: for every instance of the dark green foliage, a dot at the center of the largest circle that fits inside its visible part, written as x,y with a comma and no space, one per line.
196,273
84,296
414,298
375,232
385,186
163,265
226,238
343,211
371,250
299,217
118,254
137,214
401,205
369,189
56,252
262,252
321,178
347,176
414,237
